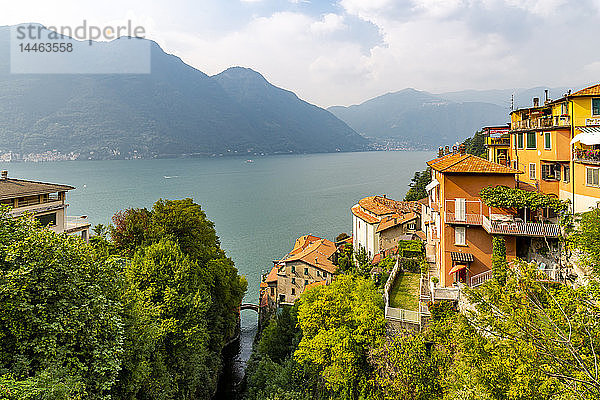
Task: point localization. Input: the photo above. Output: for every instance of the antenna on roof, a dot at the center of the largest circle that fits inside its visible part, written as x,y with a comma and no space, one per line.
512,102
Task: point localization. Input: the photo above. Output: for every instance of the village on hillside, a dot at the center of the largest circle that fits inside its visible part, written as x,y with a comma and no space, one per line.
543,163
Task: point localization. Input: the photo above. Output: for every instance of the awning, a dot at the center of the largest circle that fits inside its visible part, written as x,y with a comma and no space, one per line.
457,268
463,257
431,185
588,136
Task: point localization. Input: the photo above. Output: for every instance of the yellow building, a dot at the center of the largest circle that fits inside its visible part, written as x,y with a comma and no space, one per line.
497,142
557,146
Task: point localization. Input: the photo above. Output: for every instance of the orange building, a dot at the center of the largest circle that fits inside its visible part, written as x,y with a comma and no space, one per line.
460,226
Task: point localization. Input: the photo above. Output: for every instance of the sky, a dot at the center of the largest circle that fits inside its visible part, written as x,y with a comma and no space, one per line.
346,51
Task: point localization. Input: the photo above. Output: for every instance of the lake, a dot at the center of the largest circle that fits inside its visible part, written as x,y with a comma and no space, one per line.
259,208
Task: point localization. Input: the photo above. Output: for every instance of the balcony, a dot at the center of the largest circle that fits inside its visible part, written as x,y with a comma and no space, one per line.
76,224
544,122
589,156
501,141
516,228
465,219
480,279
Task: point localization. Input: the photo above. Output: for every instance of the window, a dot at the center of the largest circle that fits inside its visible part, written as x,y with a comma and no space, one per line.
564,109
282,298
47,219
318,273
293,292
531,143
272,291
596,106
411,227
592,177
460,235
293,281
293,269
515,165
547,141
305,282
566,174
305,271
520,144
532,171
550,172
324,274
460,209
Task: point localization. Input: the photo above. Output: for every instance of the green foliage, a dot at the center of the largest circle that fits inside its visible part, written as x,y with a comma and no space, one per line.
406,369
181,297
411,248
60,322
281,336
354,262
417,185
586,239
47,385
441,310
131,229
504,197
476,145
499,264
340,323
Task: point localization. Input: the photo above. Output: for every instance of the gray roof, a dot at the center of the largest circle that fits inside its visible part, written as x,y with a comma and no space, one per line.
11,188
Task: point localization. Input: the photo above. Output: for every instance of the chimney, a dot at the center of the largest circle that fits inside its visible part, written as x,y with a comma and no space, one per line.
440,151
536,101
447,150
3,175
454,149
462,149
546,94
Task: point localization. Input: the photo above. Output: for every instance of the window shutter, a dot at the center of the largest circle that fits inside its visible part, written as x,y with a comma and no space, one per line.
589,176
460,209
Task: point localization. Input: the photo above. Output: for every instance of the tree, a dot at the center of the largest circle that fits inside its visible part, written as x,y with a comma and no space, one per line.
476,145
586,240
169,304
417,185
131,230
406,369
340,323
60,320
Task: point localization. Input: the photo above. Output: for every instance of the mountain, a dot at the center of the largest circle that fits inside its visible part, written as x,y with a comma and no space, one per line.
174,110
421,119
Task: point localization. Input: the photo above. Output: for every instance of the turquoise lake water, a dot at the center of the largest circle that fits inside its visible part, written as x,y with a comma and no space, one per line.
259,208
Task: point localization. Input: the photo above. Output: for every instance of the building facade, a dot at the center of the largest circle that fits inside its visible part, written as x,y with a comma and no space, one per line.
46,201
460,226
310,263
378,223
557,146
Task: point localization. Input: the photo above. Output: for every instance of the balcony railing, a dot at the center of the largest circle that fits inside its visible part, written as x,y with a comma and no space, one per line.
542,122
501,141
480,279
469,219
591,155
514,228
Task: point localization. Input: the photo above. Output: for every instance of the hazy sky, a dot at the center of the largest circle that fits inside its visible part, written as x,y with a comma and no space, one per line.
346,51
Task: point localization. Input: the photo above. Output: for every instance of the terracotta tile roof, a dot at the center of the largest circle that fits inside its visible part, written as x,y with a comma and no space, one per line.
380,205
263,285
468,164
11,188
314,251
593,90
424,200
363,215
272,277
395,220
314,284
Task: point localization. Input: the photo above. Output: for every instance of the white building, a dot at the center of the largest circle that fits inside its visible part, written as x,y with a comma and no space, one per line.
378,223
46,201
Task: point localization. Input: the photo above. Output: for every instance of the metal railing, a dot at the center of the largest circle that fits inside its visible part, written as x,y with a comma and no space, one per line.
400,314
548,121
469,219
480,279
513,228
586,155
